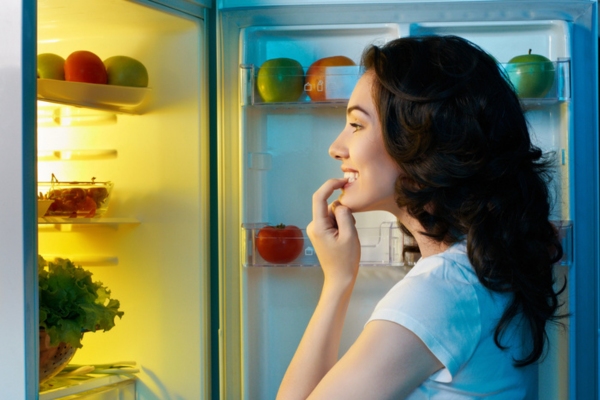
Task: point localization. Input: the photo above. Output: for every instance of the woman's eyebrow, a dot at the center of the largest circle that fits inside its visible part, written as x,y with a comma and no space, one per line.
358,108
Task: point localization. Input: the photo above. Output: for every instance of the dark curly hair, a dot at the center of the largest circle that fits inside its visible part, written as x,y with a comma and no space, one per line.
455,126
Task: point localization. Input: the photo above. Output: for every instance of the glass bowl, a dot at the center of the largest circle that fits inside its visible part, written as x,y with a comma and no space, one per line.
75,199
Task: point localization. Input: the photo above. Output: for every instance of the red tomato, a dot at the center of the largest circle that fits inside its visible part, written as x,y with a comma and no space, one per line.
85,66
279,244
88,204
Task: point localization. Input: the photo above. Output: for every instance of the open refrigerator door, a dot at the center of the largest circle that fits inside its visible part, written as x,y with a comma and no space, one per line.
275,155
140,151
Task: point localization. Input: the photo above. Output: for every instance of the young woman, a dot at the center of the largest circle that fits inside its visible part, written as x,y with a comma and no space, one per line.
436,136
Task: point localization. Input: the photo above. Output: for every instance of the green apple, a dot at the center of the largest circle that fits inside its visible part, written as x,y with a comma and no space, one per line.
280,80
126,71
532,75
50,66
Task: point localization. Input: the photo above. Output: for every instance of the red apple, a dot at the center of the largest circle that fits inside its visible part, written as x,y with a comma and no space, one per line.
85,66
316,76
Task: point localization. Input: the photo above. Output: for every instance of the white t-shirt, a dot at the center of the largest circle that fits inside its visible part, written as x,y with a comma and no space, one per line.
444,304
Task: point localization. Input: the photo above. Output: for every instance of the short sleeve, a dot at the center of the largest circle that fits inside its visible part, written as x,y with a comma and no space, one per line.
439,304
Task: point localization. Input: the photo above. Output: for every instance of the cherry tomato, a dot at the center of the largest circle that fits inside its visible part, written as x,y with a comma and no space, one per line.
99,194
88,204
279,244
85,66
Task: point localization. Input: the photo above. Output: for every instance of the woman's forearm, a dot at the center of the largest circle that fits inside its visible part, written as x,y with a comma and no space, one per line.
319,347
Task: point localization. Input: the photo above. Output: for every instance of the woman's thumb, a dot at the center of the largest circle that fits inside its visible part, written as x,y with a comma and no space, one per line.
344,218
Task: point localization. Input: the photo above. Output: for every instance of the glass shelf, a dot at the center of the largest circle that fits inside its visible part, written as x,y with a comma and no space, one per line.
52,115
120,99
87,260
71,224
77,155
90,386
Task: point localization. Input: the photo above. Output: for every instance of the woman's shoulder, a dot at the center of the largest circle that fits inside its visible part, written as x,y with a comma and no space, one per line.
450,265
446,279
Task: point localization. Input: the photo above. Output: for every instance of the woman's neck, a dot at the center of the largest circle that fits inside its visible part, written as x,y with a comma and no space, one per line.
427,245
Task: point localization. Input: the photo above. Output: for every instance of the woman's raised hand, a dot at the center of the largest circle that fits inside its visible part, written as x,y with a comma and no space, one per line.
333,235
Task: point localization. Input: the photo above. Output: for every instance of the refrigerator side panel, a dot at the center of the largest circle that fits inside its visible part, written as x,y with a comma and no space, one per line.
18,279
229,210
584,296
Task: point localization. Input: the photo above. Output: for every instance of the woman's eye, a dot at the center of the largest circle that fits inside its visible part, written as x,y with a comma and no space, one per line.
355,126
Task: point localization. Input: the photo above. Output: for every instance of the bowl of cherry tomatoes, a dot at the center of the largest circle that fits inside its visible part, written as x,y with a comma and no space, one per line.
74,199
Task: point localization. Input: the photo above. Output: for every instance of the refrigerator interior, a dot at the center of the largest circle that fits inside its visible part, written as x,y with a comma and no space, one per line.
150,248
283,153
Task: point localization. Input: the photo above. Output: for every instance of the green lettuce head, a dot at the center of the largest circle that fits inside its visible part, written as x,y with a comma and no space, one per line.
71,303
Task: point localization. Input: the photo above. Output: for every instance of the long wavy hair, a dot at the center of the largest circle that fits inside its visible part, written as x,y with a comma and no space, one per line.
455,126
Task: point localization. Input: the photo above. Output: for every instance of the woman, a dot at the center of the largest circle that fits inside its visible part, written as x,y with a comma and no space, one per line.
436,136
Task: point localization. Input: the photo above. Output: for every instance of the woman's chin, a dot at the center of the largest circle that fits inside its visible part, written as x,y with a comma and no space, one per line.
358,207
353,207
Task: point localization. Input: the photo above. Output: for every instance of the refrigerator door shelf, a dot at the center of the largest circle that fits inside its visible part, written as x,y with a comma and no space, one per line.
534,73
122,99
565,234
306,44
336,85
504,40
385,245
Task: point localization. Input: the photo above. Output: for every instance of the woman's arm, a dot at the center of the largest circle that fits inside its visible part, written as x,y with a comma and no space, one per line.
318,349
387,361
335,240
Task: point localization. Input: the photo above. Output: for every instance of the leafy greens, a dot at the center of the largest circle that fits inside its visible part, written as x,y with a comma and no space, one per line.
71,303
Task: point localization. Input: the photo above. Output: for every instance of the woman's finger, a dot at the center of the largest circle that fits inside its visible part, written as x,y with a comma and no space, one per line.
346,224
320,197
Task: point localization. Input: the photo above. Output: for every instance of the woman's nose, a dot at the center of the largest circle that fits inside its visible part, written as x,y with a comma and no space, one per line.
337,149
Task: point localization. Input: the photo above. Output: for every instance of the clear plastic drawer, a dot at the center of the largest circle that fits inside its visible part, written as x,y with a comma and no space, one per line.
382,245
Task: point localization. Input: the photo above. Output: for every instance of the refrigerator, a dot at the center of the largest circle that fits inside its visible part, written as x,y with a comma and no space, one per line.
200,162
